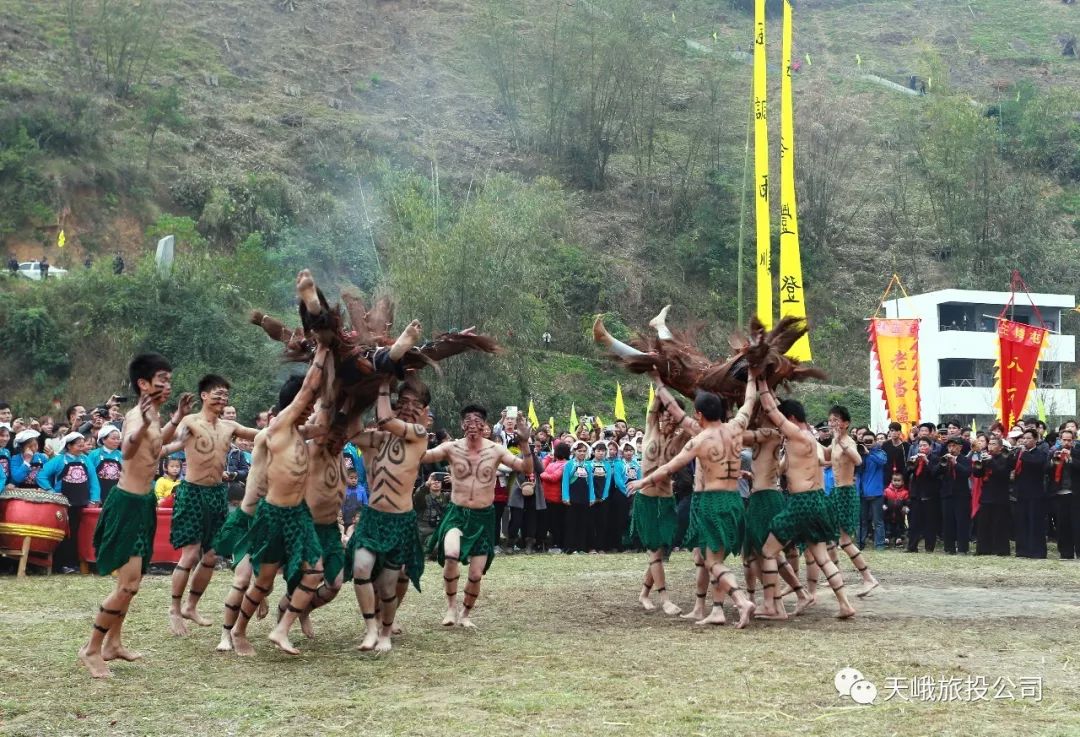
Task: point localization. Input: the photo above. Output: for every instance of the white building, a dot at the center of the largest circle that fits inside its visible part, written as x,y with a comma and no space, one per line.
958,347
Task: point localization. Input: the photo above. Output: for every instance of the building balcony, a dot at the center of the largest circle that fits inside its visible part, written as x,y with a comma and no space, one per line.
966,344
970,400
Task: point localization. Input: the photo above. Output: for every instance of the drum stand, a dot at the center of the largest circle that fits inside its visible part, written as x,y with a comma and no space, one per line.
25,554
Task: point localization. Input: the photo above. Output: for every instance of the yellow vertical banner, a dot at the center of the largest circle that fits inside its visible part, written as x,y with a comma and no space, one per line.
761,171
792,296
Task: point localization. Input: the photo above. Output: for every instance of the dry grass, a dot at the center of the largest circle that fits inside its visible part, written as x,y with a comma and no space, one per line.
561,649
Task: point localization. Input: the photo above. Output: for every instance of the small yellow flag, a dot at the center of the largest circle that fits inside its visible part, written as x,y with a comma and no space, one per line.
61,239
808,62
858,59
573,419
551,424
620,409
598,420
974,427
533,421
1040,407
672,16
652,399
714,36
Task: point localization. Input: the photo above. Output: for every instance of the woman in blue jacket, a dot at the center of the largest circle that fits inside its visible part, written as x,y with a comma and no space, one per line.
5,455
579,495
69,473
105,462
27,462
603,480
627,469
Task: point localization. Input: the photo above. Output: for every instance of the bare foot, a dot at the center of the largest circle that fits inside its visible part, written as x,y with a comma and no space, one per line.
119,652
383,645
225,645
746,611
189,612
466,623
397,629
281,640
715,617
306,626
451,617
698,612
305,289
659,324
645,603
242,646
846,612
370,639
805,604
670,608
177,626
779,613
264,609
94,663
868,587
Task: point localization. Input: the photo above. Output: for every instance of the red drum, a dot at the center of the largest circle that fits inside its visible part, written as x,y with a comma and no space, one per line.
163,550
40,515
85,543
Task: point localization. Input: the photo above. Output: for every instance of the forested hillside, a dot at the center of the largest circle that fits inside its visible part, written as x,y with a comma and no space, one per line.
520,165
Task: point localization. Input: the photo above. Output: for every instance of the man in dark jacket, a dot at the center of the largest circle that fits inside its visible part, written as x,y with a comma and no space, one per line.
992,524
954,471
1063,474
1030,492
896,454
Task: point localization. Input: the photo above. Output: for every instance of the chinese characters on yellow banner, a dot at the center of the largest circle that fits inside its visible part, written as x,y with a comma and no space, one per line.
895,344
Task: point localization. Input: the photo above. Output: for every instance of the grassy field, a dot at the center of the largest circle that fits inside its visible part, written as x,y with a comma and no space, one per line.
562,649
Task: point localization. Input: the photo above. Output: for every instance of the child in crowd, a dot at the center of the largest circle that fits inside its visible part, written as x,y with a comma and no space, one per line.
896,508
163,488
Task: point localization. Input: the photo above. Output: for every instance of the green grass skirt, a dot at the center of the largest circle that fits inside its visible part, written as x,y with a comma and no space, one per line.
394,540
805,519
198,514
716,521
654,521
227,541
476,527
763,506
282,535
845,507
125,530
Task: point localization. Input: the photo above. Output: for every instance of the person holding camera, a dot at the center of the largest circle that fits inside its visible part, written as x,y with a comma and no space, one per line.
953,470
871,482
1060,483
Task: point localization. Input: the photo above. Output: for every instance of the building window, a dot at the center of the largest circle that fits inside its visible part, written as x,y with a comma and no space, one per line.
966,372
1050,375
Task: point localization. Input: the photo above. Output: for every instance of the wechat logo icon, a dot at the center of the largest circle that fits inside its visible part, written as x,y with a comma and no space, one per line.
850,682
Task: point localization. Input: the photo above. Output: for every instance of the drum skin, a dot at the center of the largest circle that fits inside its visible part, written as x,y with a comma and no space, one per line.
41,515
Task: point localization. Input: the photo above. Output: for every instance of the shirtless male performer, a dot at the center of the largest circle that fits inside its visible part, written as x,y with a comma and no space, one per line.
465,533
324,496
806,517
844,500
282,535
766,501
716,511
124,536
201,499
234,530
386,540
653,517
